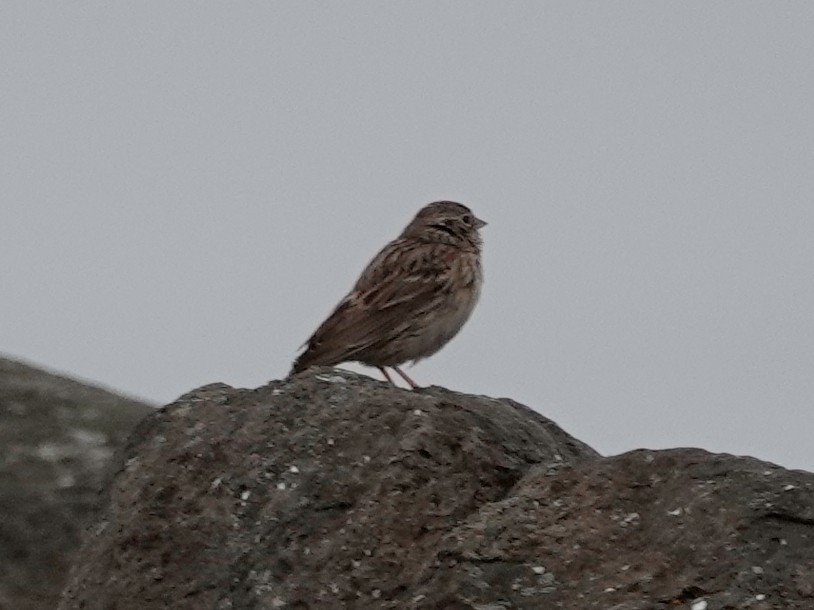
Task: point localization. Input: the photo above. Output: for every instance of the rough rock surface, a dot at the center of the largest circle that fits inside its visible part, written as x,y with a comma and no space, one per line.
57,437
331,490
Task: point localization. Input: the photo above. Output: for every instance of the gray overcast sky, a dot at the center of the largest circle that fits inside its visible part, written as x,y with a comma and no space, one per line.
188,188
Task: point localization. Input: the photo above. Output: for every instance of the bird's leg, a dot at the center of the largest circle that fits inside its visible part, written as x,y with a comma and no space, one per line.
406,378
386,374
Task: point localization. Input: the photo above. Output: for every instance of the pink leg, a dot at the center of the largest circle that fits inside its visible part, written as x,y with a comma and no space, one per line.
386,375
405,377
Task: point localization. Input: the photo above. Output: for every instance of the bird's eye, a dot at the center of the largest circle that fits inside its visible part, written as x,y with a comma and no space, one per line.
467,219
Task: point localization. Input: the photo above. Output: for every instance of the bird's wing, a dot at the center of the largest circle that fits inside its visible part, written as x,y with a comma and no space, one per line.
400,285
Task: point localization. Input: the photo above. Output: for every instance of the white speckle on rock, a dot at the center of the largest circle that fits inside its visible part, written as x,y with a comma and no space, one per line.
366,459
66,479
331,378
278,603
757,570
624,568
783,542
538,570
276,392
760,597
789,487
630,517
216,483
334,588
294,469
88,437
367,552
610,590
418,412
245,495
281,486
51,452
676,512
701,604
376,593
330,441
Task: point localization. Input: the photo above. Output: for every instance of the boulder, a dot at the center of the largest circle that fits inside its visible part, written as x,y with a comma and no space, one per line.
332,490
57,438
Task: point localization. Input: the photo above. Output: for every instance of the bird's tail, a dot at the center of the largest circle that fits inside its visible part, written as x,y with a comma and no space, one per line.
300,364
311,356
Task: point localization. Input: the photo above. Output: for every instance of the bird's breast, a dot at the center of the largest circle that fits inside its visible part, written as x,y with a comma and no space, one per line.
452,312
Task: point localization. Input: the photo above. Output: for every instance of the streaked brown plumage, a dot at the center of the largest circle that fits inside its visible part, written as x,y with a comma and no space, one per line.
411,299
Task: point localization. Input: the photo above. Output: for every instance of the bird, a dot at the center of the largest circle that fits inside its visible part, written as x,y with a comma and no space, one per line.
411,299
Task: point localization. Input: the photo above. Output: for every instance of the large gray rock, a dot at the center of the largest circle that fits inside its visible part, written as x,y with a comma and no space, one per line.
642,530
332,490
57,437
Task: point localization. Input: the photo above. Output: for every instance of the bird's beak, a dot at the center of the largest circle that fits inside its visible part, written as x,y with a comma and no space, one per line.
479,224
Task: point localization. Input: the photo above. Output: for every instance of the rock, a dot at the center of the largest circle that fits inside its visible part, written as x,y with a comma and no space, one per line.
331,490
646,529
57,437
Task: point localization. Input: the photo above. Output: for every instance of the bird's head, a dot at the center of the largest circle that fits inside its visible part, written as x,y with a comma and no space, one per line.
446,222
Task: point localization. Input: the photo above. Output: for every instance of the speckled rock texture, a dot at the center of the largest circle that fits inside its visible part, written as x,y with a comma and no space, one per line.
57,438
331,490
